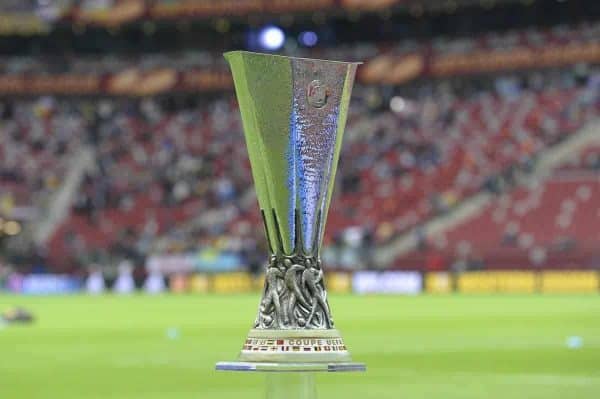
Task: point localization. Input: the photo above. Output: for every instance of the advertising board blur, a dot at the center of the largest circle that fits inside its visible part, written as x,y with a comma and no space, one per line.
228,283
438,283
570,282
178,283
205,260
22,24
519,57
199,283
338,282
497,282
393,282
43,284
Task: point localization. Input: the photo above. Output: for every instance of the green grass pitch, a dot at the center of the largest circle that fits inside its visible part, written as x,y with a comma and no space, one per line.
415,347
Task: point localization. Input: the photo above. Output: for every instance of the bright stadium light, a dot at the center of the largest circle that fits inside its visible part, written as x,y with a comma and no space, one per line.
308,38
271,38
12,228
397,104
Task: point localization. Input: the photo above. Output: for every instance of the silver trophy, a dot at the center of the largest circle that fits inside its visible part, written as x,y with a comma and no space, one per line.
294,112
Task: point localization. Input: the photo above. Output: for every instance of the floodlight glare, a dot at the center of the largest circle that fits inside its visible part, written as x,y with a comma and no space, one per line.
397,104
271,38
308,38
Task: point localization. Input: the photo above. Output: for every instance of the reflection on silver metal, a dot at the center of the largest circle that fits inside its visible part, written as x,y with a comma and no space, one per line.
294,296
294,112
290,367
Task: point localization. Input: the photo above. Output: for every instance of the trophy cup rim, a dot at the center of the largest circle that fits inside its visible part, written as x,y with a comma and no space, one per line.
233,52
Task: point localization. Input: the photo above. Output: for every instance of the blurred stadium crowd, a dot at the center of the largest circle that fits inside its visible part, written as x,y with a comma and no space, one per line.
447,173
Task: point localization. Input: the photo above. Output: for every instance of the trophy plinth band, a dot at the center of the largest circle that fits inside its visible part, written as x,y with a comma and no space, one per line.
294,346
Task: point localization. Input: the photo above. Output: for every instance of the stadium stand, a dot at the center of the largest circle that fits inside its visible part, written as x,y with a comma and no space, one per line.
525,235
38,138
170,171
160,164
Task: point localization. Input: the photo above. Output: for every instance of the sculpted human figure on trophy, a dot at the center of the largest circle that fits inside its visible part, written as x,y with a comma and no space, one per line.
294,295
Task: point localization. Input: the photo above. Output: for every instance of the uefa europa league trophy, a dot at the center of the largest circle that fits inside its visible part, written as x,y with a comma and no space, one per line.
293,111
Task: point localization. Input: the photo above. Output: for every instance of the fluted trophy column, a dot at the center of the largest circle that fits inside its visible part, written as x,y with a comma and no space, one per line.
293,112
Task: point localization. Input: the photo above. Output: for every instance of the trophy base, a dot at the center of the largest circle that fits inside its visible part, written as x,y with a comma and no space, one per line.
294,350
294,346
290,367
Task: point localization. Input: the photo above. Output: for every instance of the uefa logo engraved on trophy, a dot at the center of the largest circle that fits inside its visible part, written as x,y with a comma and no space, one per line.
317,93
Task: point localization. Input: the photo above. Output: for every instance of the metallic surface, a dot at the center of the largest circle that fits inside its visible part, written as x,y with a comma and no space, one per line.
290,367
294,295
293,145
294,112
